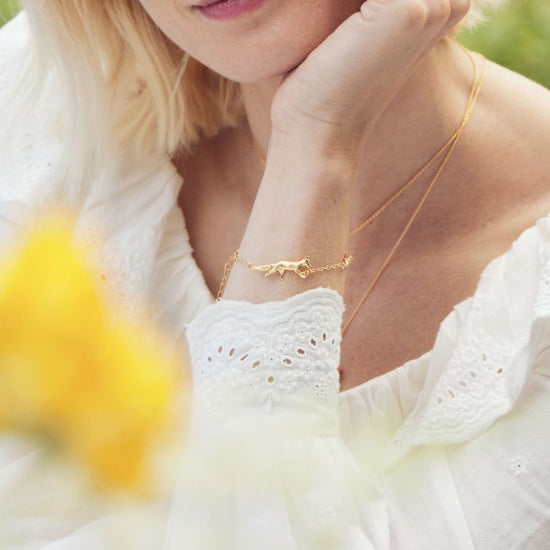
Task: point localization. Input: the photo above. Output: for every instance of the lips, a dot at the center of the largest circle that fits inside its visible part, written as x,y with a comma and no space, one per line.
221,10
204,3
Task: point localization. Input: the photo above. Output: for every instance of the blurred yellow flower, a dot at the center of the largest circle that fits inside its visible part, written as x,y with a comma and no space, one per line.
101,388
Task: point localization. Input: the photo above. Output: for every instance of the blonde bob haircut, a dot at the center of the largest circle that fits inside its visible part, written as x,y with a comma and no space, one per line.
159,97
126,79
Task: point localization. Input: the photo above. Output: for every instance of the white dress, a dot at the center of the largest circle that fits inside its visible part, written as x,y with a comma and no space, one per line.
448,451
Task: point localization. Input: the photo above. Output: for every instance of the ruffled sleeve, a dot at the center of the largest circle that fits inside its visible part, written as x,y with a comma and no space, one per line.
265,466
485,351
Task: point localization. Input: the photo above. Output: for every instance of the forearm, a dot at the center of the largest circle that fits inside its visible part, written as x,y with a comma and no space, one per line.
302,208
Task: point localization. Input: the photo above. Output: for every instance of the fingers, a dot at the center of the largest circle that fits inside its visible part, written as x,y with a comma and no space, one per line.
406,30
368,57
418,15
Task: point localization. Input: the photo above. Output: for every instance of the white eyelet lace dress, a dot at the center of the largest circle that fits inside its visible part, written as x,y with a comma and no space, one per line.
448,451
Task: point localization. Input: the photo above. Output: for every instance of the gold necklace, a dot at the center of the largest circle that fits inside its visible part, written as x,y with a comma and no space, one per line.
451,143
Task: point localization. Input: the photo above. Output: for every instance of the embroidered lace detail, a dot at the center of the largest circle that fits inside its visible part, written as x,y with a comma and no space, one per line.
518,465
472,391
268,351
122,272
474,385
487,370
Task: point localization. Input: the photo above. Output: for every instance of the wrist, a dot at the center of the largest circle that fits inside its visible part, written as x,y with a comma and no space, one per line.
301,150
308,175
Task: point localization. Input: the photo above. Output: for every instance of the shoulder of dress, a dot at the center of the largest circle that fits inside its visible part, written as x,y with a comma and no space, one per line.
31,101
14,41
485,351
14,47
14,36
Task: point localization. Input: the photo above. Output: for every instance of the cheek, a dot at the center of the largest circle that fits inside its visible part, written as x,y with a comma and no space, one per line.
263,44
169,16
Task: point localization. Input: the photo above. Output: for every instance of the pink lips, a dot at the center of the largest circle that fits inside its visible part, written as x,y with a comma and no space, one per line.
227,9
203,3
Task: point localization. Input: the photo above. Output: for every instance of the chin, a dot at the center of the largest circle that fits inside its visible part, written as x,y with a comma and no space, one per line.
260,46
255,73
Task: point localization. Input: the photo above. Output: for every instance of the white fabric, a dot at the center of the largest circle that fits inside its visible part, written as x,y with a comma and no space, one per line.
449,451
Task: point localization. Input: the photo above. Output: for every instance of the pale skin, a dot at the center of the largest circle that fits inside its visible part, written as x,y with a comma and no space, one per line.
325,174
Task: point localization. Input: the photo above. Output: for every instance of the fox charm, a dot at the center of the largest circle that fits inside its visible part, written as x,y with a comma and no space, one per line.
301,268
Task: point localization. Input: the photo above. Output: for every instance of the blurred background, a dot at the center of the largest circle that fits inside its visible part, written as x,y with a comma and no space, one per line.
517,36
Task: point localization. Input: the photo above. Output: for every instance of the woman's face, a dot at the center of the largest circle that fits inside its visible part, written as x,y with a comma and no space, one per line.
265,42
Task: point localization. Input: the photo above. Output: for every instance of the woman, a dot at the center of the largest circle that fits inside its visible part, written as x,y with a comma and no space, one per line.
350,102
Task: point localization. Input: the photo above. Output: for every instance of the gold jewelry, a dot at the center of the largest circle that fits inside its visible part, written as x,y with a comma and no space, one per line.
414,177
451,143
474,93
398,193
302,267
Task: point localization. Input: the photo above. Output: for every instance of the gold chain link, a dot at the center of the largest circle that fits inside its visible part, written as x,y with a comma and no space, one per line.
474,93
304,268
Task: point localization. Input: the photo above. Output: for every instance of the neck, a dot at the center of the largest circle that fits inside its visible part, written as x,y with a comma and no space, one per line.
416,123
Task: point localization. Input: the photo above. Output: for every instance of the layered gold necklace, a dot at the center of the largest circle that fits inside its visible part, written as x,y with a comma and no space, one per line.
445,151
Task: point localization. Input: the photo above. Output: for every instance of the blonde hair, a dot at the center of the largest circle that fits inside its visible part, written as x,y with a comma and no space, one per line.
127,82
158,96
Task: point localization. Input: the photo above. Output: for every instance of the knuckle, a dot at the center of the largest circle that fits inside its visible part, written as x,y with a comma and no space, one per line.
371,8
444,9
415,14
439,12
459,9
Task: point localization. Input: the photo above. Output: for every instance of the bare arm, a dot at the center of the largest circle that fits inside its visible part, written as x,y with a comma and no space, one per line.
302,208
319,124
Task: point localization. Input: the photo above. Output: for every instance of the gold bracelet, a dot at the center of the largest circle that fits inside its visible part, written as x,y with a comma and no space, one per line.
302,267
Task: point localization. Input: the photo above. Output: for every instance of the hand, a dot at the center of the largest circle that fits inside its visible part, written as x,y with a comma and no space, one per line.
338,92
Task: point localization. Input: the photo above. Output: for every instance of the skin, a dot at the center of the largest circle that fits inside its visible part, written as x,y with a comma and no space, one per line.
495,186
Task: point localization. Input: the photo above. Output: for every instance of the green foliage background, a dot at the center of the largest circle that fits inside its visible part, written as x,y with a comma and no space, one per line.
517,36
8,8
